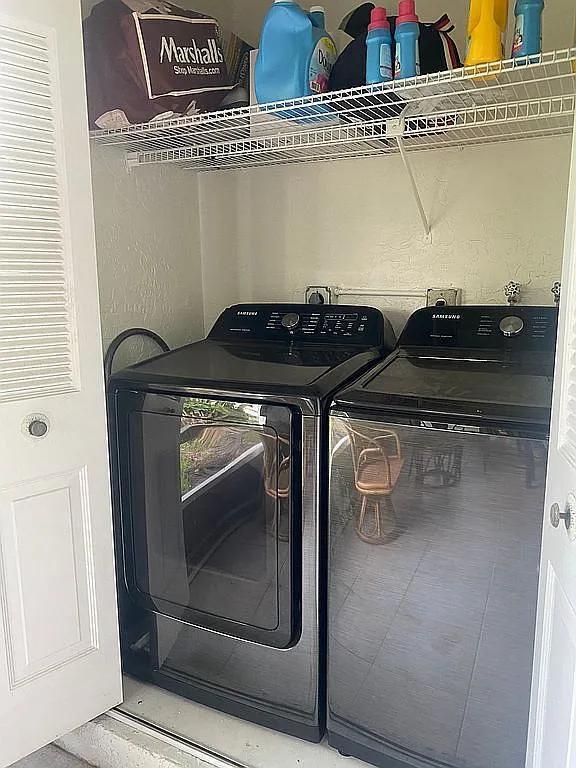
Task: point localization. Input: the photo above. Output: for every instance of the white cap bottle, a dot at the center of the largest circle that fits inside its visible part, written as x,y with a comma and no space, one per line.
318,16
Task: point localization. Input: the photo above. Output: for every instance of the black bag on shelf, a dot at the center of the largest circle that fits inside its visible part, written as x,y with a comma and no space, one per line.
438,51
150,60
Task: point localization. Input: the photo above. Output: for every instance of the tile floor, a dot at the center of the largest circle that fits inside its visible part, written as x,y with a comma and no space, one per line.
50,757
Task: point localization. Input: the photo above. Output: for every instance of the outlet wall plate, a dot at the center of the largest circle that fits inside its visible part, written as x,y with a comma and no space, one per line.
324,291
443,297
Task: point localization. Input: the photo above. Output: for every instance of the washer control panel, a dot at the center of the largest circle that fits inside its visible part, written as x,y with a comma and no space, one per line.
487,327
330,324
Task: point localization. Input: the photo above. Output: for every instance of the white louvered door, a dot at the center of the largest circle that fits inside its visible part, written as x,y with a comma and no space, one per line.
59,659
552,732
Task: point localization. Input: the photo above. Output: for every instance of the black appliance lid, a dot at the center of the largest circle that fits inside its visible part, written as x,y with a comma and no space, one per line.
461,362
263,357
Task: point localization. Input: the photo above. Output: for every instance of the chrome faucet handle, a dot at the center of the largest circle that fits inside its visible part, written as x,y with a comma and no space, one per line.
512,292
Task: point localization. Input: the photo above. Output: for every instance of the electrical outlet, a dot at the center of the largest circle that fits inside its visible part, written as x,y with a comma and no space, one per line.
319,294
443,297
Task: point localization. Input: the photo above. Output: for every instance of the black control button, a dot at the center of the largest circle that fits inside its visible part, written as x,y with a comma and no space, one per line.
291,321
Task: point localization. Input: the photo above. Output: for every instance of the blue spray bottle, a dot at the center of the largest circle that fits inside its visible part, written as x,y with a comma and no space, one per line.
379,48
528,29
406,37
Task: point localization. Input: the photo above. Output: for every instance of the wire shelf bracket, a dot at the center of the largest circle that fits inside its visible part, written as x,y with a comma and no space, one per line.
395,128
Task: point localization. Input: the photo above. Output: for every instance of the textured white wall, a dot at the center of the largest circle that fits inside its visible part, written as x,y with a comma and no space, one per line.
497,214
147,238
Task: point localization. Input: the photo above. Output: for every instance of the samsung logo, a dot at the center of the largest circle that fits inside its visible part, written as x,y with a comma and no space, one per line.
247,314
446,317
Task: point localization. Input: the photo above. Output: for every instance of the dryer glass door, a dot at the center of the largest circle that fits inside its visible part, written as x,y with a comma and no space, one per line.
208,503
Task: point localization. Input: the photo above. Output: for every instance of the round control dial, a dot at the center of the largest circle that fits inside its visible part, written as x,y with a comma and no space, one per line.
511,325
291,321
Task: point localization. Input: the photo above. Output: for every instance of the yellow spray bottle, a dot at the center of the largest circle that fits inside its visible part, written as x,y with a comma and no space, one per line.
486,26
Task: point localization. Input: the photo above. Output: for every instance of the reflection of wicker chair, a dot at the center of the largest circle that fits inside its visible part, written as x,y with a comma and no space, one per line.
276,466
277,479
377,465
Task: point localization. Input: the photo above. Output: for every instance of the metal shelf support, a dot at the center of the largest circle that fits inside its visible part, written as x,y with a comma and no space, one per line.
414,185
396,128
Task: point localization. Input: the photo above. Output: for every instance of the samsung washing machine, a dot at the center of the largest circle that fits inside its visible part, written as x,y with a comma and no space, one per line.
438,466
219,494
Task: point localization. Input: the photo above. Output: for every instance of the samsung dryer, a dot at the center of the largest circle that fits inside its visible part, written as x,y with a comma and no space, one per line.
218,462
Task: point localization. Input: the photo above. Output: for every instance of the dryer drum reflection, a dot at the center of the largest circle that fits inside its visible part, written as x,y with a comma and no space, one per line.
218,437
217,496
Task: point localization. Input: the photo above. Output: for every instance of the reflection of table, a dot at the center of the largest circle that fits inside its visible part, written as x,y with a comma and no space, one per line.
438,464
535,454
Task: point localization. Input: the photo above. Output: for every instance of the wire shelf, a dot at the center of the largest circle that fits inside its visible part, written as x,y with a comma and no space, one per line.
503,101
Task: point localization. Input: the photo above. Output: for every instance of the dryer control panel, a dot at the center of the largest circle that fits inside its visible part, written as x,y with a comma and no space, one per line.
319,324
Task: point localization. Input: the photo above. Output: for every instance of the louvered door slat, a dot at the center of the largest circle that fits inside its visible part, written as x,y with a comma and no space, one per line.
10,94
23,67
37,355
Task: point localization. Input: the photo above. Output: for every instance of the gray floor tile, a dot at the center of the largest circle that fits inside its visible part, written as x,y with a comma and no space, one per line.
347,673
492,737
421,718
363,620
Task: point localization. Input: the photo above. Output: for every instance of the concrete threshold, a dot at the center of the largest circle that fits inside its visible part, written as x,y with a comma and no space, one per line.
157,729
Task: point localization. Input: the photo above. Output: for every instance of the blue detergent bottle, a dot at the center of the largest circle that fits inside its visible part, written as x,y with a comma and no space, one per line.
296,54
406,37
318,16
379,48
528,28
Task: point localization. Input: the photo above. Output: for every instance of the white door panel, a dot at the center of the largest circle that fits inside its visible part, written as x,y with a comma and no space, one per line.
43,634
59,659
552,732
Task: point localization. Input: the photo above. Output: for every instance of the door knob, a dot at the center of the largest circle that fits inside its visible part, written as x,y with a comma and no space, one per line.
36,425
569,516
556,515
37,428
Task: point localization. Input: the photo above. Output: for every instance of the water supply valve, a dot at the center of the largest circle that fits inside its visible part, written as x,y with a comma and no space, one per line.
513,291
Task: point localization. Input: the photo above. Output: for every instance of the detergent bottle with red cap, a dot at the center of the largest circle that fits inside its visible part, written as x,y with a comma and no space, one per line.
379,48
406,37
